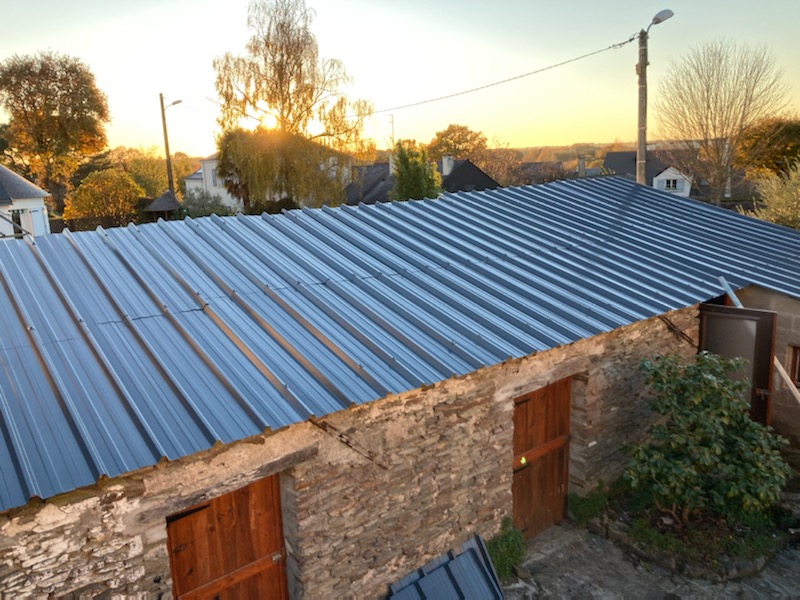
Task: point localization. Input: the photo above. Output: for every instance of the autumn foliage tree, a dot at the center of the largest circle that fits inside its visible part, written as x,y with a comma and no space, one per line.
771,146
109,193
144,165
57,117
779,198
458,141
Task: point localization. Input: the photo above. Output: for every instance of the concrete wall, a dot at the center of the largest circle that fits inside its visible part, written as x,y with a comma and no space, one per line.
785,409
368,493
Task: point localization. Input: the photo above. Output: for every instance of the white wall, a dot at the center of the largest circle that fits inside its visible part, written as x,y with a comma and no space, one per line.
33,218
683,184
215,185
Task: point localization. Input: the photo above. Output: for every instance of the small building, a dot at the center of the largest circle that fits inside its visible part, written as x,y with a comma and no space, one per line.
316,403
166,206
659,173
374,183
205,178
22,207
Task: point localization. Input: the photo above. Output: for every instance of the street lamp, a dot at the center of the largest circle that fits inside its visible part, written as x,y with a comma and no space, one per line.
166,140
641,70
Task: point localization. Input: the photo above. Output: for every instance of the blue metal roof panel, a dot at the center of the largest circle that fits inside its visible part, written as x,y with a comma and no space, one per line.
464,573
120,346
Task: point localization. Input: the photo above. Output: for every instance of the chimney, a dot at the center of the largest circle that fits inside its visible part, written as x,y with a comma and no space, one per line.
447,165
581,166
391,164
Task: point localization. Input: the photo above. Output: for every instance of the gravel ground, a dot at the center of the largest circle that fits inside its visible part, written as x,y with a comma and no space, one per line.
570,562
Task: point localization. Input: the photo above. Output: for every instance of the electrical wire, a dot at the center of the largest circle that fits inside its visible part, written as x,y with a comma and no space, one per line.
515,78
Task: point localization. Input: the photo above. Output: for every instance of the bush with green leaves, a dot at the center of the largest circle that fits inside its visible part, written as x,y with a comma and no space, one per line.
705,453
585,508
201,203
506,549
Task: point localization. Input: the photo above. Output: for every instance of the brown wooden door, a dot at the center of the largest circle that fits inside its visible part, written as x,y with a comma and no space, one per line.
231,547
541,457
747,333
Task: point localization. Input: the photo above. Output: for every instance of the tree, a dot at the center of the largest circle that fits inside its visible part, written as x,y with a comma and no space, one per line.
415,176
458,141
504,165
267,166
780,198
709,99
770,146
57,117
108,193
144,165
282,79
281,76
705,453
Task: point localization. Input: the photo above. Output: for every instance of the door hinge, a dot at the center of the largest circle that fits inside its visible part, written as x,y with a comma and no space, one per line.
277,557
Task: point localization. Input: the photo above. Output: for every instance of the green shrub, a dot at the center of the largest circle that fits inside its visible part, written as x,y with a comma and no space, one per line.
585,508
705,453
506,549
201,203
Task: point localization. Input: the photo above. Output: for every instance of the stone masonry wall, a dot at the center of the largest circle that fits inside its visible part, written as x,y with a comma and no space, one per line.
785,410
426,469
112,537
368,493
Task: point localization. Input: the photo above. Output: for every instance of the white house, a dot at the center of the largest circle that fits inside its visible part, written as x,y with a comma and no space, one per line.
206,178
22,208
672,180
659,173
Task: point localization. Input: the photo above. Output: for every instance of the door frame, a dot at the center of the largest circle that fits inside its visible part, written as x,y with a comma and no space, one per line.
541,452
245,570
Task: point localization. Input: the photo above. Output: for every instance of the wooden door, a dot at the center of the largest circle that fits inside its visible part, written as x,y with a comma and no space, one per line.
230,547
746,333
541,457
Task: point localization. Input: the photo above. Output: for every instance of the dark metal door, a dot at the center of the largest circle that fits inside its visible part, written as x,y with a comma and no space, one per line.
748,333
231,547
541,457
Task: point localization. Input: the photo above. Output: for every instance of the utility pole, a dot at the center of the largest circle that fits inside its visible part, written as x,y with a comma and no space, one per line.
641,144
170,181
641,70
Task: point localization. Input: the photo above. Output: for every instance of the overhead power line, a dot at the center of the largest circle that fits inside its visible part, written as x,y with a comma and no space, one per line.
496,83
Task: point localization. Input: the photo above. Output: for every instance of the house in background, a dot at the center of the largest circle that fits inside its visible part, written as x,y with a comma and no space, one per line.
660,174
374,183
22,207
205,178
316,403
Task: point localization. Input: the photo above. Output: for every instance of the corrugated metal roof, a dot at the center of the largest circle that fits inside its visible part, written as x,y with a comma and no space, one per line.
122,346
462,574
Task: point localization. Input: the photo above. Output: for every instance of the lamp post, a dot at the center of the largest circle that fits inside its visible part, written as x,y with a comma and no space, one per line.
166,140
641,70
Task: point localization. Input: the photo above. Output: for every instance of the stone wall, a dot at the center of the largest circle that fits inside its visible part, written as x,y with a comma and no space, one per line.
368,493
429,468
113,537
785,410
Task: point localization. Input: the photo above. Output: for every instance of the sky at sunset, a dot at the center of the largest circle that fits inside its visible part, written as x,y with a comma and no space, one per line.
402,52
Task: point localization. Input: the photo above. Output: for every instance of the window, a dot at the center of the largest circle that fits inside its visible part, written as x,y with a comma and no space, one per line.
16,217
671,184
794,364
